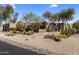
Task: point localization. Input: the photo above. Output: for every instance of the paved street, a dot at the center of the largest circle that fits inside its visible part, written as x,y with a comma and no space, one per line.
8,49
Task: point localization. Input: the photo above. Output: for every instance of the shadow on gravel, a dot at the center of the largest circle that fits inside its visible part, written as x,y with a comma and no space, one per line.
7,49
49,36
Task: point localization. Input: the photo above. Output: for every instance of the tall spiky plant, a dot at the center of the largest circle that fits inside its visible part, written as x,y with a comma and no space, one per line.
48,15
66,15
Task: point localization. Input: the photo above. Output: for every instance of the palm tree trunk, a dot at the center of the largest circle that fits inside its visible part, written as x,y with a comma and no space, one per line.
62,28
58,26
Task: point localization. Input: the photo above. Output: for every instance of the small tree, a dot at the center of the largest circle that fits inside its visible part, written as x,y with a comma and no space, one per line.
14,18
31,18
8,10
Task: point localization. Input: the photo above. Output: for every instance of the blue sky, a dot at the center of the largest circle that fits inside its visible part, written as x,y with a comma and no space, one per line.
39,9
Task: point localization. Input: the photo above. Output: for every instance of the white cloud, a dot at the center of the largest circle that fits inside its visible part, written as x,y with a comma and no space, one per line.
13,5
53,5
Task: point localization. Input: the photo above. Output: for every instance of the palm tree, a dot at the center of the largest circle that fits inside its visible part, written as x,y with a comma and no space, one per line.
48,15
56,18
66,15
69,14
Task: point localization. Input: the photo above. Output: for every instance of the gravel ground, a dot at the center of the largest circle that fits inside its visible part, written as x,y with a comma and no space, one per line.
15,48
41,45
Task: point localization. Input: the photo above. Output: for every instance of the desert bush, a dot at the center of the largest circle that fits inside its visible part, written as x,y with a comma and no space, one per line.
73,30
77,31
10,34
60,37
57,38
43,25
28,28
33,26
76,25
20,26
13,30
66,32
69,31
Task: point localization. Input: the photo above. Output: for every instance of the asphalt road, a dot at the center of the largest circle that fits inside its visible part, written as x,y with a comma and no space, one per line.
8,49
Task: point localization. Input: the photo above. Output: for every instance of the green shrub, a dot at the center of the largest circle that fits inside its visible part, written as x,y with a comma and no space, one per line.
76,25
60,37
69,31
66,32
57,39
13,30
77,31
10,34
33,26
73,30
